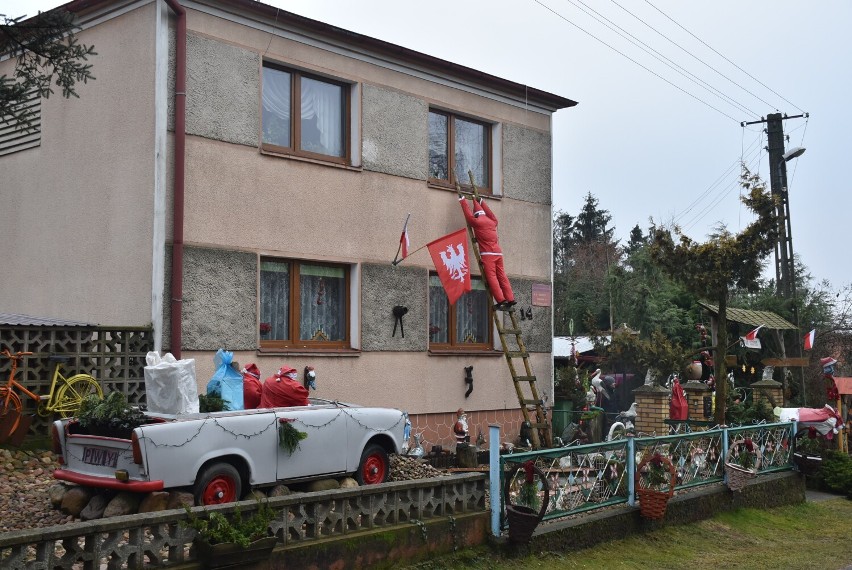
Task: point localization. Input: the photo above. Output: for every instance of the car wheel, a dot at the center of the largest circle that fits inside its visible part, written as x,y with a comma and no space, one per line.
217,483
374,466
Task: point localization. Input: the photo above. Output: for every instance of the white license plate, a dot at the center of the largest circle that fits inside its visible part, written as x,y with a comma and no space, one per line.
100,456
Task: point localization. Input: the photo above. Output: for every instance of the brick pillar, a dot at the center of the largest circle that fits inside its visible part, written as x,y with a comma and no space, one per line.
769,390
695,394
652,409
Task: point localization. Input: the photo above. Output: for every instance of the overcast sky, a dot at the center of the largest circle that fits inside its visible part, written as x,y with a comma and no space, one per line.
644,139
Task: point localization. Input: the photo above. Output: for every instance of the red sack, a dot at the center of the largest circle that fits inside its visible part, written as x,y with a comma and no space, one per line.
252,387
282,390
678,407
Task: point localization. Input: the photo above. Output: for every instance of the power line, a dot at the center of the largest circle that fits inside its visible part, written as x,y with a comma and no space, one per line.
722,195
693,55
681,89
723,57
718,181
660,57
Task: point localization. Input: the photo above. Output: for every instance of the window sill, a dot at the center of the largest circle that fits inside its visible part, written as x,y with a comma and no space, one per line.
302,351
300,158
464,352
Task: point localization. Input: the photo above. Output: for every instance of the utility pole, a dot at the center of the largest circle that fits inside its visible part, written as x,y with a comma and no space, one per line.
785,268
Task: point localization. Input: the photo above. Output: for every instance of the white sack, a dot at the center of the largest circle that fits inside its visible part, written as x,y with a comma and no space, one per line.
170,386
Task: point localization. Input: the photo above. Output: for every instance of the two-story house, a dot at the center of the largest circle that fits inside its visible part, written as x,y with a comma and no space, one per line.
237,176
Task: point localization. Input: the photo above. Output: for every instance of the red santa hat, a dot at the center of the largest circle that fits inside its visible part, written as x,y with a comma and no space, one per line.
477,209
287,371
827,361
252,370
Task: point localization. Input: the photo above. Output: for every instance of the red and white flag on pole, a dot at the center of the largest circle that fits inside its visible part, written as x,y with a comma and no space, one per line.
750,340
449,254
809,340
403,243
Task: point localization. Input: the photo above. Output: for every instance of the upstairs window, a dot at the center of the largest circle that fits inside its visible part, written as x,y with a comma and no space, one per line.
458,145
304,115
303,305
465,325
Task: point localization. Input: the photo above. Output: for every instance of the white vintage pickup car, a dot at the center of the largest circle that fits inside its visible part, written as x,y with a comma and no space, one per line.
221,455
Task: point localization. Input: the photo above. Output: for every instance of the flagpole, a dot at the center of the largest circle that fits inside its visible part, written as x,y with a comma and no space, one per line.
398,261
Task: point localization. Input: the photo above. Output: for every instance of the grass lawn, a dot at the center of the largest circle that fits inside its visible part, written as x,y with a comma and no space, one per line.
809,536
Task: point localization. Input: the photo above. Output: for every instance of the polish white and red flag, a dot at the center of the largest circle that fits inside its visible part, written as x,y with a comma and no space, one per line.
404,242
449,254
809,340
750,340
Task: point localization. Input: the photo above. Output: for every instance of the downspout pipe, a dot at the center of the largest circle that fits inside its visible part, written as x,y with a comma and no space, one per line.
176,302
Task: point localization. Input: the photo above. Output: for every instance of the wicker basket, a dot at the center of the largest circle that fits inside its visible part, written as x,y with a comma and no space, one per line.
522,519
653,502
806,463
738,477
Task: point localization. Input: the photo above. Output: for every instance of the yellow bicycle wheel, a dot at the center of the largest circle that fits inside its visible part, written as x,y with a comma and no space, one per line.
14,404
72,393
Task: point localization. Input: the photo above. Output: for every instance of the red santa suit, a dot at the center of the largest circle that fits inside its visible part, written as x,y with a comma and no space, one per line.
282,390
252,388
484,224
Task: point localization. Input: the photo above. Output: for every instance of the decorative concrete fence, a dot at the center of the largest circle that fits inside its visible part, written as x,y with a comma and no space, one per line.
158,540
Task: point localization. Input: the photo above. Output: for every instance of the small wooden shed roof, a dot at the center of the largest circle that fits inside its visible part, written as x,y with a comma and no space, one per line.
15,319
753,318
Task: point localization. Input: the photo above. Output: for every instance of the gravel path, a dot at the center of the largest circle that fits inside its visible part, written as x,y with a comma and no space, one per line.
25,477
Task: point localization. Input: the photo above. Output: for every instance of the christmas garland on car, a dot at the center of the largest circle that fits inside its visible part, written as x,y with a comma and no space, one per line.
288,436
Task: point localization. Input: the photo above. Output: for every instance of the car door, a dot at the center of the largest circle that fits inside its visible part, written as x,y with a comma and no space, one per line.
323,451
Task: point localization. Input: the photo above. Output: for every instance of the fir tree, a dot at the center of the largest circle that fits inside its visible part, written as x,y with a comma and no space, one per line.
47,52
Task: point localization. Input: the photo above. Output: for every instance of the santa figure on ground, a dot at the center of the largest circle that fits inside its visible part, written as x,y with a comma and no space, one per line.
484,224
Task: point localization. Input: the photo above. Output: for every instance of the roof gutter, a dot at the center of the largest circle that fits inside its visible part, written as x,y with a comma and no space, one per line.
176,303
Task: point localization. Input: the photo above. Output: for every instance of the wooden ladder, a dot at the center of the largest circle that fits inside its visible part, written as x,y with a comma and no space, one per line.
532,407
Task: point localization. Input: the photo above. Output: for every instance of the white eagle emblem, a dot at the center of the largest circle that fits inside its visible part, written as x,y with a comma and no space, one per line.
455,262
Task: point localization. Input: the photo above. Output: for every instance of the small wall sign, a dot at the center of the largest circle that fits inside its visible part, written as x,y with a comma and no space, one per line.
541,294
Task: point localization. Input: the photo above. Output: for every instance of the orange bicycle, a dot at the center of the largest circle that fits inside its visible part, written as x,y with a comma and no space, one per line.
65,396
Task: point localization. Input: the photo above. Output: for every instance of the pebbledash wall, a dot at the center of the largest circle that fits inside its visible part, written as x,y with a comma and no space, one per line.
241,204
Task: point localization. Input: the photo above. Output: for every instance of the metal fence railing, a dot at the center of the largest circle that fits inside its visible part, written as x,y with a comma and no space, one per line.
582,478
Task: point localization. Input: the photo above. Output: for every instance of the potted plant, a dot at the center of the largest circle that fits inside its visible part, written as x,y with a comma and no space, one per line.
524,507
742,463
655,484
807,454
223,541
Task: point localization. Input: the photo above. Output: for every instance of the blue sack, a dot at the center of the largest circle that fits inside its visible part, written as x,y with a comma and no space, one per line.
226,381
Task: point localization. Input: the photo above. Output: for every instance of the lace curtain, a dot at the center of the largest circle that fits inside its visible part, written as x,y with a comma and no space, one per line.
322,117
323,303
276,107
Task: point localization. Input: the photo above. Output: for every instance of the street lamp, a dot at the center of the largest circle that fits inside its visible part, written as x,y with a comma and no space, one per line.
794,152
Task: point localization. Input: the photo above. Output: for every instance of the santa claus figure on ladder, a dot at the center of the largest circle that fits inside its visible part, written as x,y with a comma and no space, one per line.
484,224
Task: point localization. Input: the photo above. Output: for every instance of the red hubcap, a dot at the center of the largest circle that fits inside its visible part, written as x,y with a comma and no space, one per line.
220,490
374,470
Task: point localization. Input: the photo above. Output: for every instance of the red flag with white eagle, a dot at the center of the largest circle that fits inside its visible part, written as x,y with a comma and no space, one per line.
449,254
809,340
750,340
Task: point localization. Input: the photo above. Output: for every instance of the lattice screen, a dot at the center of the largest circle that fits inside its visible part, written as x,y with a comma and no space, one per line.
116,357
